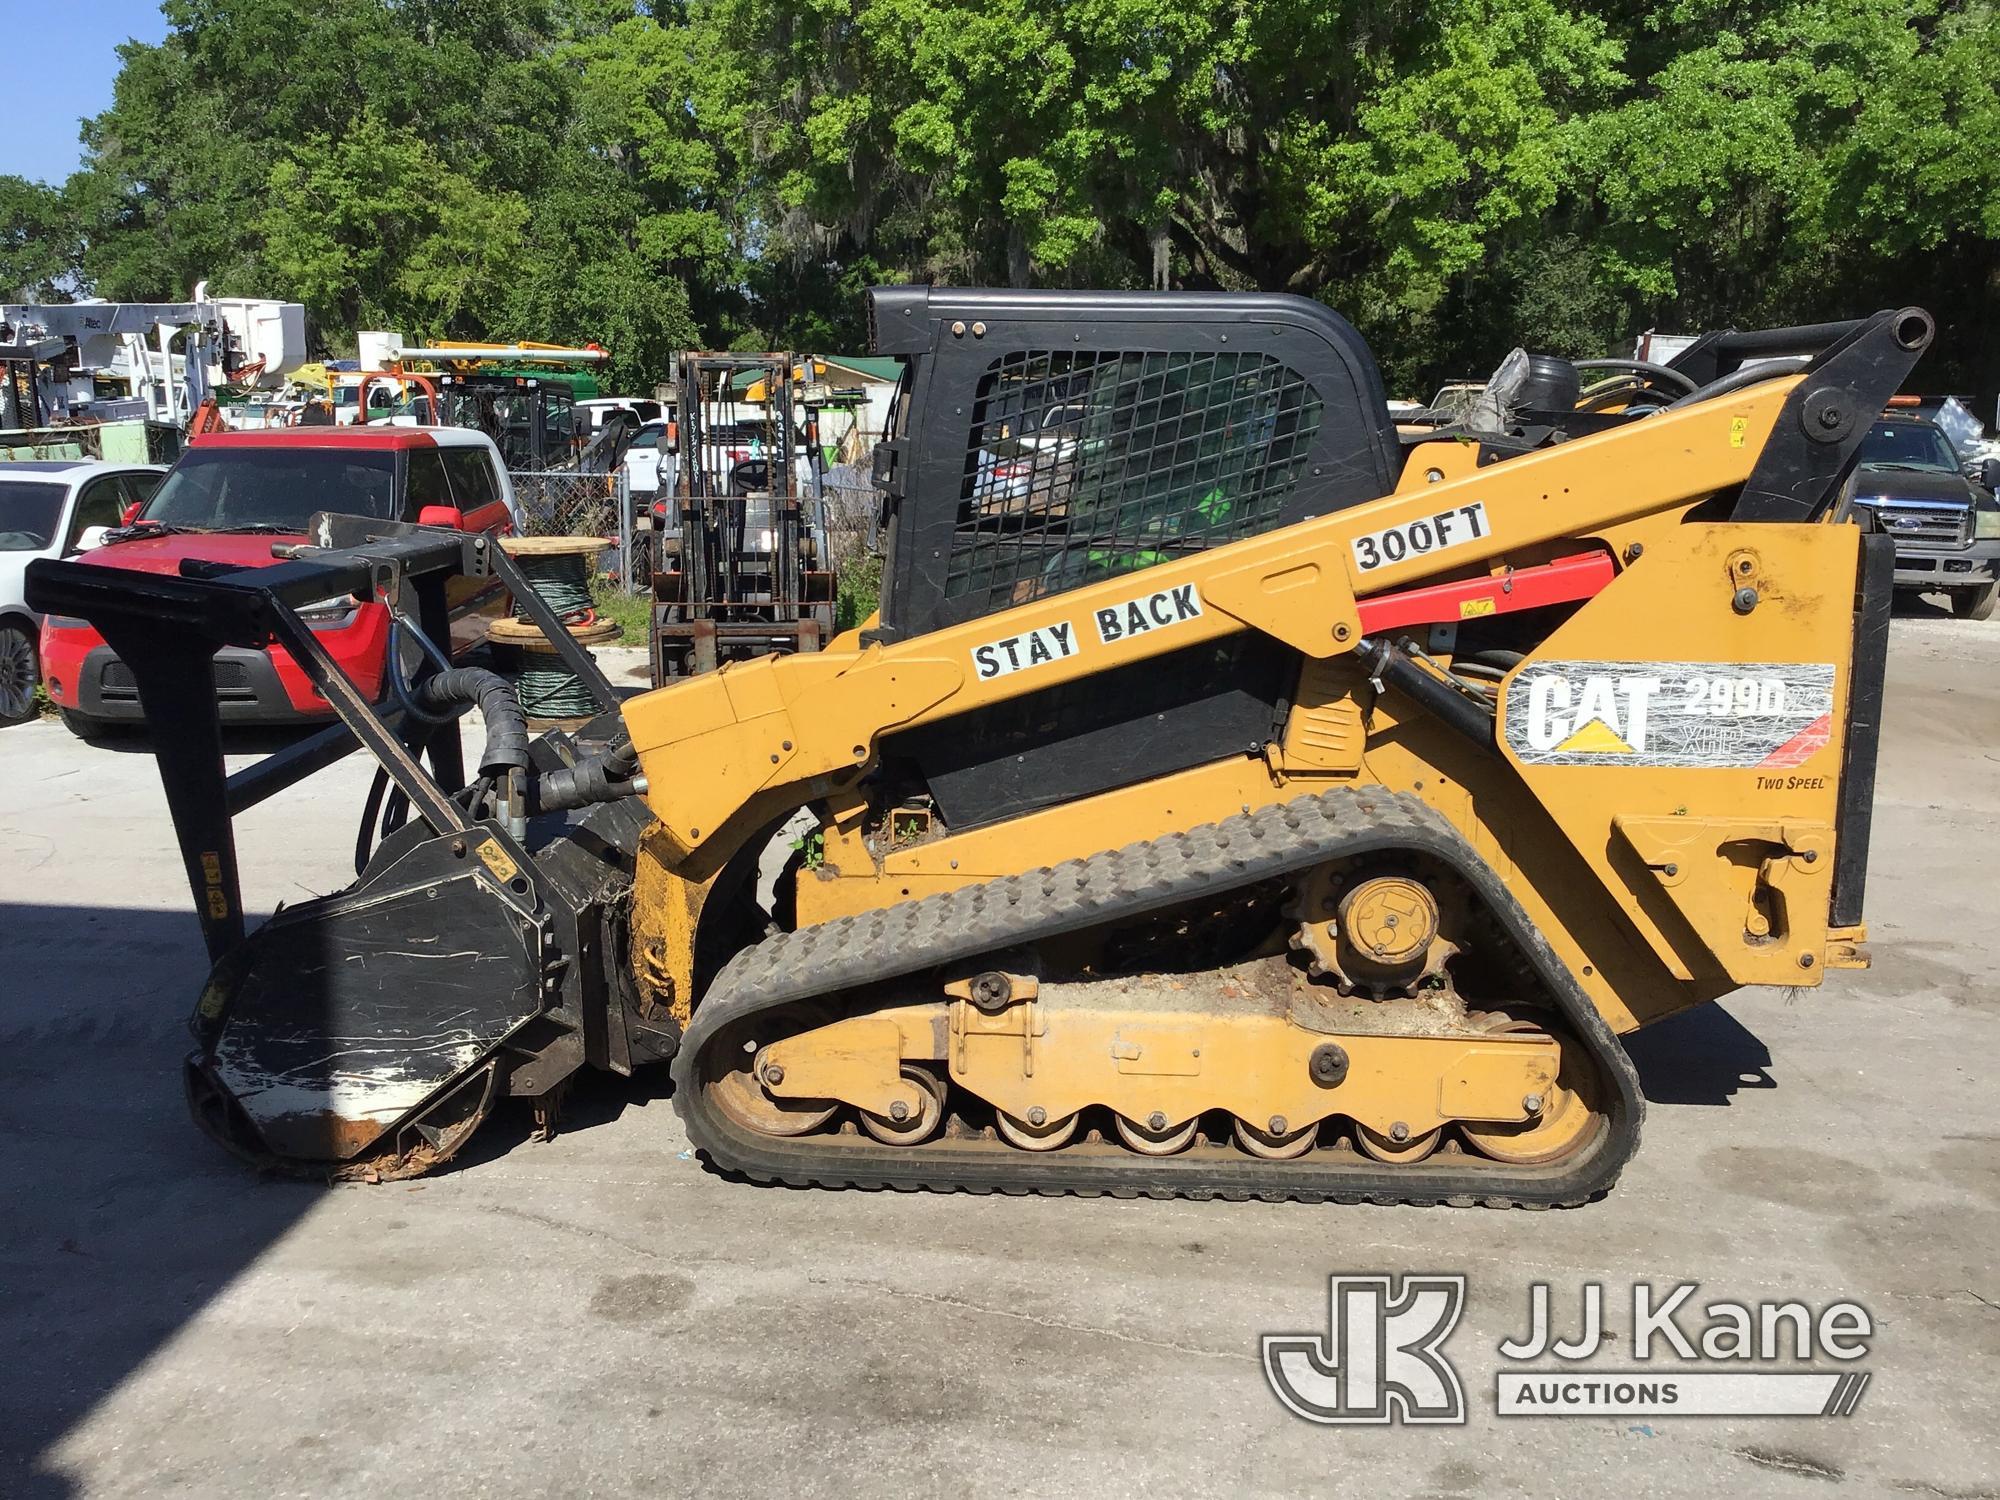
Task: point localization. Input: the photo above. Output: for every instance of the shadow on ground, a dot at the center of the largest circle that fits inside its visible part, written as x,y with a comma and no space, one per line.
1911,605
237,739
591,1098
122,1221
1701,1056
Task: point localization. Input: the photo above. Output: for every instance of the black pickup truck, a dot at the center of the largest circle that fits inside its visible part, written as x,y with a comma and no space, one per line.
1909,485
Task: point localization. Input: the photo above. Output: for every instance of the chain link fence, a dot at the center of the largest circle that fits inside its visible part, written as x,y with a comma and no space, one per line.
853,510
851,502
564,503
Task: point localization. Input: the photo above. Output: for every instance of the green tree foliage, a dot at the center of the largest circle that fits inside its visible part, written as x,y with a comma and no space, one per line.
420,165
37,240
371,225
1456,176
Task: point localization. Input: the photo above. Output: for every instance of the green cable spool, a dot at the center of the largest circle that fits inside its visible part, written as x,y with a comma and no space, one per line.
561,577
551,692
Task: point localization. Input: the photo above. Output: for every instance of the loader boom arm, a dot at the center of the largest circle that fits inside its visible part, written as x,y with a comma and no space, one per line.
784,728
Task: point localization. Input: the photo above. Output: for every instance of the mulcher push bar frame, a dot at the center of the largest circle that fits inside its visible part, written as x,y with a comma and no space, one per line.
167,629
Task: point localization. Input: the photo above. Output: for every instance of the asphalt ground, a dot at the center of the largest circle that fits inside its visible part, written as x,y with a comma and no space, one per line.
602,1315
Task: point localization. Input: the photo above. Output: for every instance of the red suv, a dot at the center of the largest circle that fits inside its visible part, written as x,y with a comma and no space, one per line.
229,498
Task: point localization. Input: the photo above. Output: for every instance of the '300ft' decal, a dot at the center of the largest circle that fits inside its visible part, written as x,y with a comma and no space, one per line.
1426,534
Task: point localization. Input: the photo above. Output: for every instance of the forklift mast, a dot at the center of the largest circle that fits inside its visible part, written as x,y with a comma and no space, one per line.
750,579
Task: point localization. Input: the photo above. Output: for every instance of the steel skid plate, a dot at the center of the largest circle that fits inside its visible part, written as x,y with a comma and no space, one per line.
344,1017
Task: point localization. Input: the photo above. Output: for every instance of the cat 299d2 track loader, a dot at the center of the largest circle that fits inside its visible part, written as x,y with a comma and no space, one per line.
1236,794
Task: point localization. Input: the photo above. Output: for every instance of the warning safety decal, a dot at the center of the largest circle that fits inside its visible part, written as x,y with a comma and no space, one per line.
1149,612
1677,713
1031,648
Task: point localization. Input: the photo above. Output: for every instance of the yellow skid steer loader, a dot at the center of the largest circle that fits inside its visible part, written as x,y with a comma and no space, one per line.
1238,792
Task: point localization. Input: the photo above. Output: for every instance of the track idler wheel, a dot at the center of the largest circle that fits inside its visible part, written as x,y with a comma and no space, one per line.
1564,1121
915,1127
741,1095
743,1099
1153,1136
1026,1135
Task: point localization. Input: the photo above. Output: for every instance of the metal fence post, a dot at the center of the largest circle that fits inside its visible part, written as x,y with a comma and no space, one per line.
623,492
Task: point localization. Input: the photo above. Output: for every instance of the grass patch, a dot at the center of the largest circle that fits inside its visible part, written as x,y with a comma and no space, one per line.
633,612
860,590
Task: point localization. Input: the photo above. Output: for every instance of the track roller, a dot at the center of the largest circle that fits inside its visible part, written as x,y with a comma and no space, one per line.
1028,1136
1276,1144
1388,1148
916,1127
1150,1139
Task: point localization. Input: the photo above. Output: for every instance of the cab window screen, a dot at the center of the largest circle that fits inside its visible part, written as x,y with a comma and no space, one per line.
1084,464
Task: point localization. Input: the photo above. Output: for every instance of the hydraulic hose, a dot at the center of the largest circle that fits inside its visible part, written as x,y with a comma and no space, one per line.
1640,367
1390,663
506,725
605,777
1736,380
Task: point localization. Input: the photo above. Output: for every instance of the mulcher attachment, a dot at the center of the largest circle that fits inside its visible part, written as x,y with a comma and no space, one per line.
370,1031
346,1018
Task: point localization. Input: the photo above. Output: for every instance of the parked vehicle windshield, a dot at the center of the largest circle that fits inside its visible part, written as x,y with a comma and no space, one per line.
217,489
1907,445
29,515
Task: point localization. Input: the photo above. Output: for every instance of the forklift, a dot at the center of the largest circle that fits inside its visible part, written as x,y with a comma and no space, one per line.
742,566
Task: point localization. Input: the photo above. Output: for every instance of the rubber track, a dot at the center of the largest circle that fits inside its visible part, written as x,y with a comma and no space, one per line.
953,928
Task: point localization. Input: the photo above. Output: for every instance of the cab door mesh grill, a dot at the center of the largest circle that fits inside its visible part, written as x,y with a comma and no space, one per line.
1082,464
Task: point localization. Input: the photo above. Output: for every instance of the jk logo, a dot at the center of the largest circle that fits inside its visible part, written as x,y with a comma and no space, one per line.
1381,1359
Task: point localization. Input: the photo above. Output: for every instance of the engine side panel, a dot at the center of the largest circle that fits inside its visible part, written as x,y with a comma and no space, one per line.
1686,729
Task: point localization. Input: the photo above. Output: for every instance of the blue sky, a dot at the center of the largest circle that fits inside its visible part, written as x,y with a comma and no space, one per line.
62,60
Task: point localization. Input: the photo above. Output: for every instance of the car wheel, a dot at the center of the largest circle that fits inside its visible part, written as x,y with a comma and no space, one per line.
19,672
1974,604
